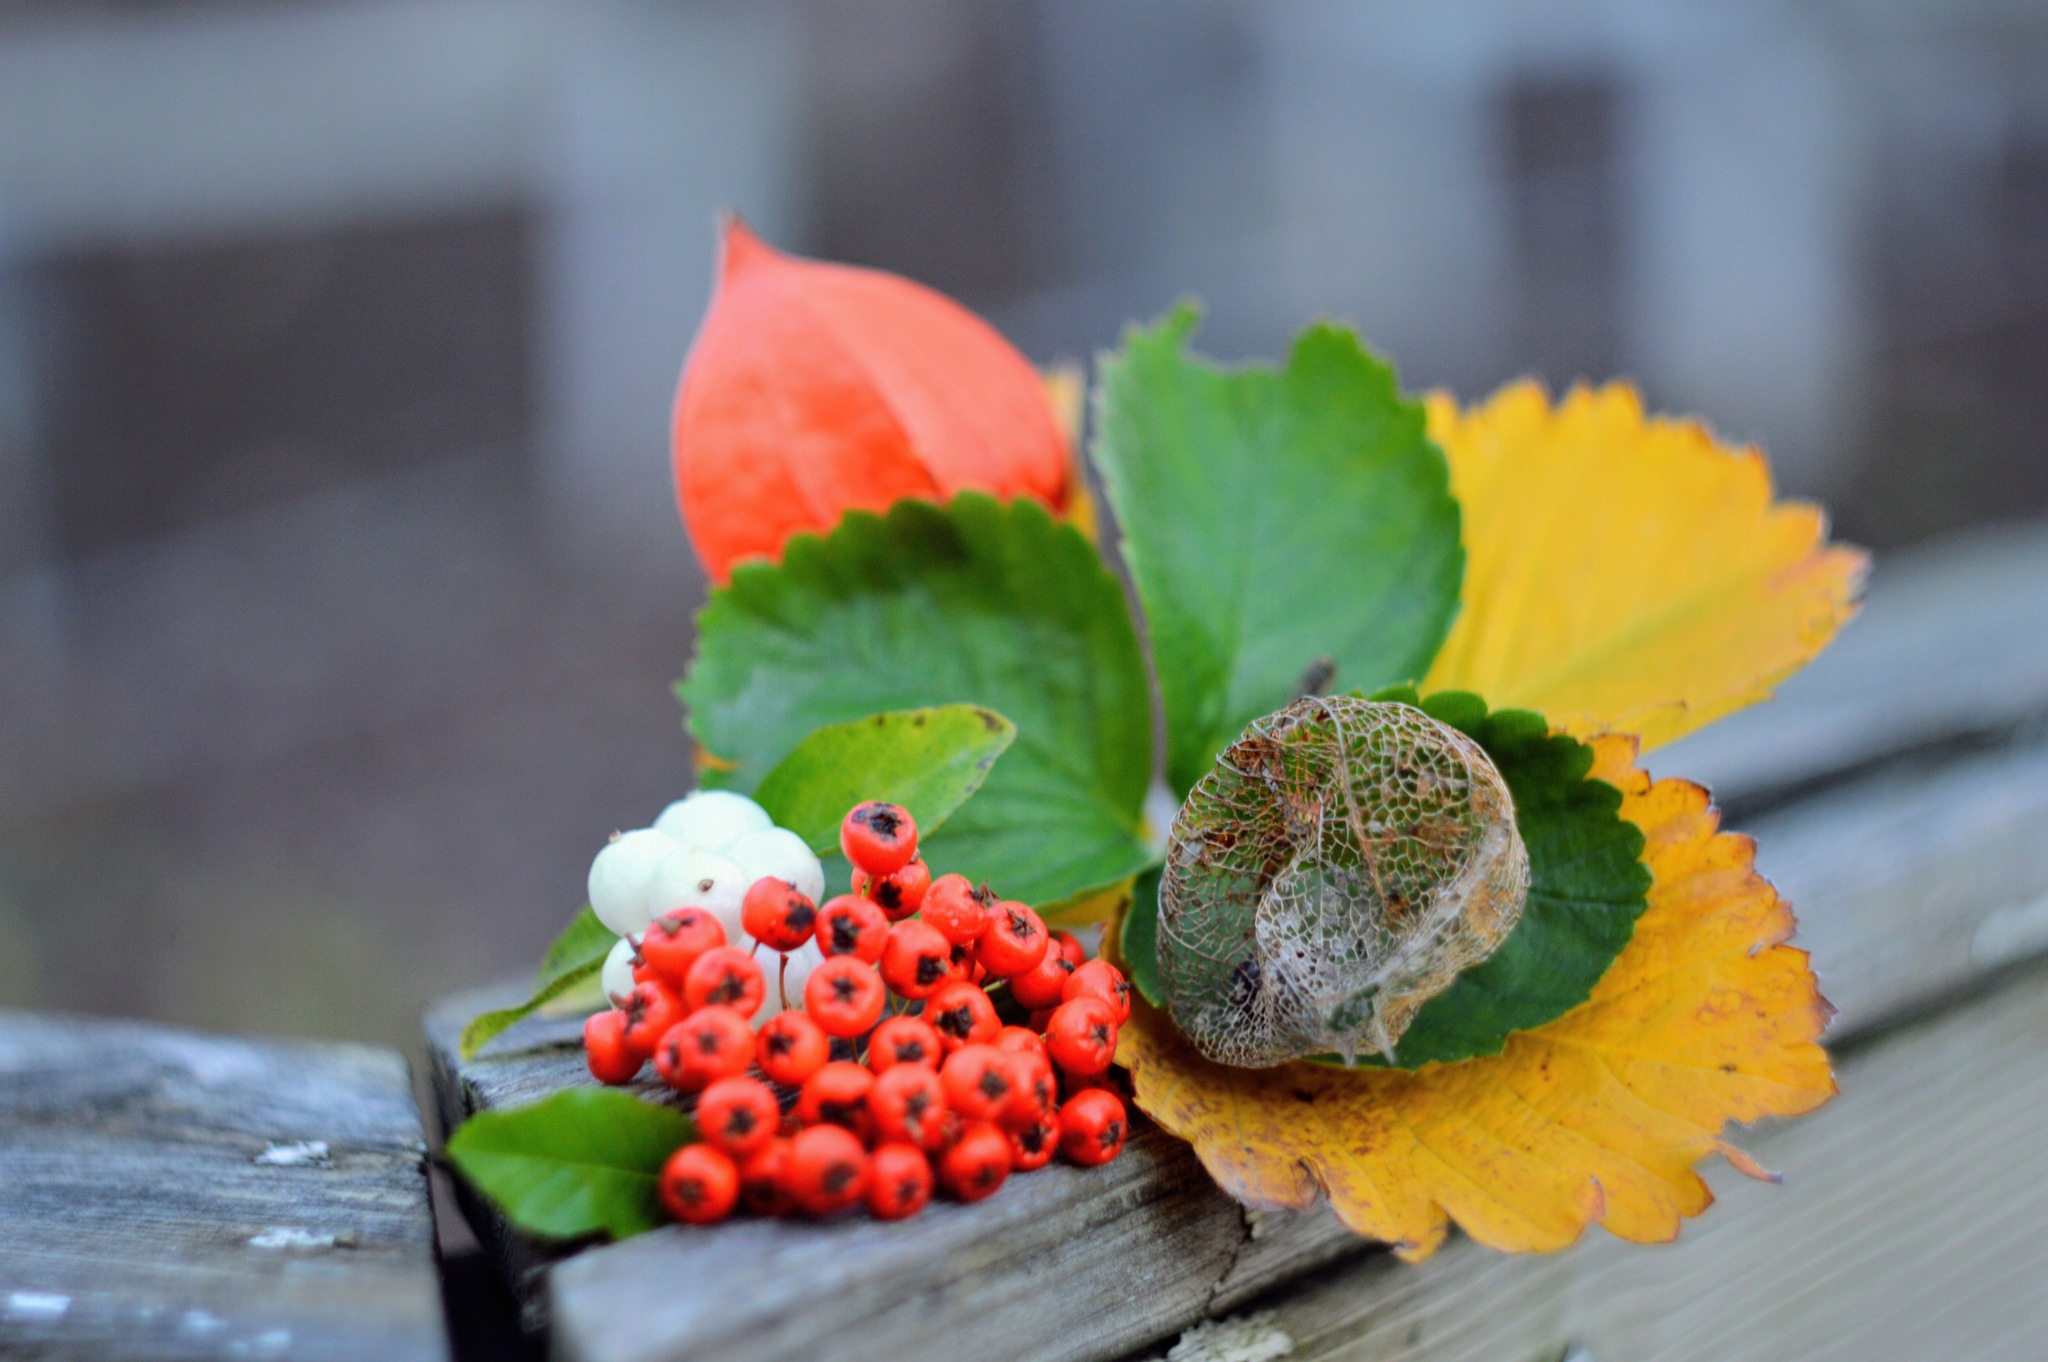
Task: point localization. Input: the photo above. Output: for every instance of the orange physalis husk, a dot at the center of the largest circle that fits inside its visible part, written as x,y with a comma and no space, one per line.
813,389
1706,1017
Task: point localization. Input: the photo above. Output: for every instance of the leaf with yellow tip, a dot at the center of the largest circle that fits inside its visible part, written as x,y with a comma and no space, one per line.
1627,573
1706,1017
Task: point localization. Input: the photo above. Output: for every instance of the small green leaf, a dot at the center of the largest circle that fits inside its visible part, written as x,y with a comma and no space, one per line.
1139,944
485,1027
584,1161
1587,887
1281,525
585,939
575,957
927,760
977,602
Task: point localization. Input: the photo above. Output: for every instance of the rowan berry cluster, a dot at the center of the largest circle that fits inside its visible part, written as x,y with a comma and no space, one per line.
898,1071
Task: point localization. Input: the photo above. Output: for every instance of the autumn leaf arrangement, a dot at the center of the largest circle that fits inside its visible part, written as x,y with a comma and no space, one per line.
1410,926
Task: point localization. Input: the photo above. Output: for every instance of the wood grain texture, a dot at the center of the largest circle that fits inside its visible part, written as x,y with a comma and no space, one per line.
1909,1227
171,1195
1952,645
1913,879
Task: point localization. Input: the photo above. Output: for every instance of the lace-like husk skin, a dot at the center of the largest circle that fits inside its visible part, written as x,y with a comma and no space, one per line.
1333,871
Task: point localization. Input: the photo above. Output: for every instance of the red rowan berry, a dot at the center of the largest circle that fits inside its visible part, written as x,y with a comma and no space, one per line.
897,895
899,1181
699,1184
845,996
1019,1039
977,1163
904,1040
650,1010
916,960
837,1095
978,1082
1081,1037
1033,1145
828,1169
908,1102
1093,1126
1070,946
1043,984
962,1014
792,1047
777,914
966,967
1034,1090
953,907
851,926
879,838
725,976
738,1115
605,1049
1015,940
1100,979
710,1044
764,1177
676,939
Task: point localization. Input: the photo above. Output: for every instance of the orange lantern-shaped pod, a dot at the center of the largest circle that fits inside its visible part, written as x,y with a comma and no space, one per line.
813,389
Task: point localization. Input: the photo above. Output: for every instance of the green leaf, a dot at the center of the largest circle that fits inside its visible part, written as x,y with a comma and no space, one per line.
584,1161
574,958
977,602
1139,942
584,940
927,760
1278,523
1587,887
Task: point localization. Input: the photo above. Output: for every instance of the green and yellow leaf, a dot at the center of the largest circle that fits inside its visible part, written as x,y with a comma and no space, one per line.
1627,573
1706,1017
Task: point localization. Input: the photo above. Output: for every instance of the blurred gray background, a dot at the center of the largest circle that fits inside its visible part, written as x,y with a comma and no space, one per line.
340,580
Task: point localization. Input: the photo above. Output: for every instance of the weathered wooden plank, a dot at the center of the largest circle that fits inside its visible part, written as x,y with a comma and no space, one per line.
1909,1228
1952,644
1907,889
171,1195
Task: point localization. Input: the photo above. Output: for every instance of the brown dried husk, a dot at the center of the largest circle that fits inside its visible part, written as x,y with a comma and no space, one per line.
1333,871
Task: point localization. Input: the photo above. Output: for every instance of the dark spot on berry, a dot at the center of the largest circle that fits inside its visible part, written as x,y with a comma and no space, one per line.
838,1177
916,1105
907,1191
1112,1135
845,989
1099,1033
955,1022
1021,928
739,1121
992,1084
889,894
780,1043
802,916
690,1191
882,820
709,1043
845,935
909,1051
988,1175
840,1113
931,969
1032,1138
730,988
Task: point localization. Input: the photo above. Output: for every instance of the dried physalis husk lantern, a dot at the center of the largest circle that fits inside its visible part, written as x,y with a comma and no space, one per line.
1334,870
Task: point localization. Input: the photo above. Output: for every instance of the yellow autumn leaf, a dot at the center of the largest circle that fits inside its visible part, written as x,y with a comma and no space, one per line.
1601,1115
1624,573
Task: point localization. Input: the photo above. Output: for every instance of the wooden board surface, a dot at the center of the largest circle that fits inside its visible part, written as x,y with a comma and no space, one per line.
1904,833
171,1195
1909,1227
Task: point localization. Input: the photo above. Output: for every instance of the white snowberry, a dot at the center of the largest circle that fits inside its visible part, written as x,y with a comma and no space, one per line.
781,853
692,878
712,820
617,975
620,877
